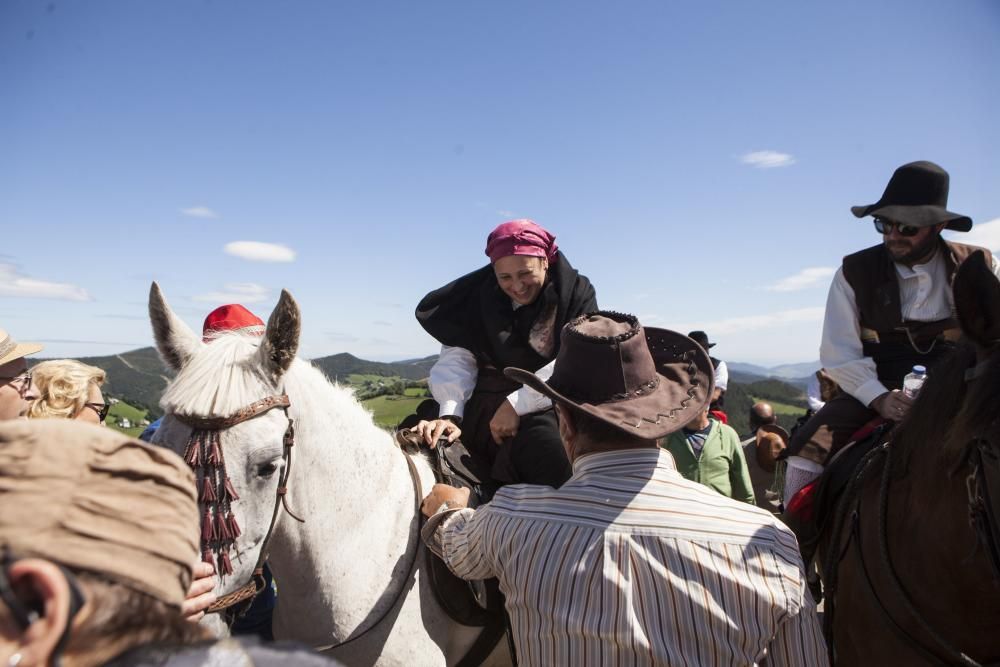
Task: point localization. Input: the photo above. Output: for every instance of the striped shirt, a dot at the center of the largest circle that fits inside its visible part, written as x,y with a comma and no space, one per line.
628,563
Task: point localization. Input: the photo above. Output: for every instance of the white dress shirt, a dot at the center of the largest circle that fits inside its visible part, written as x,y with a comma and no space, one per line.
722,376
924,296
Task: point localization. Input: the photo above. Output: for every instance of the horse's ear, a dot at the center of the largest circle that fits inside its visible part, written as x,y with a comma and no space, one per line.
281,340
174,340
977,300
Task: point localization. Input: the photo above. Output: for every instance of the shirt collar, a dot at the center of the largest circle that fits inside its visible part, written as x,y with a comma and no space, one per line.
927,267
606,460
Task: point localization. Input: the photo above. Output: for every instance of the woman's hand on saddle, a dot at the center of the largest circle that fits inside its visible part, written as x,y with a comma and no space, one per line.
199,596
440,494
505,423
892,405
432,431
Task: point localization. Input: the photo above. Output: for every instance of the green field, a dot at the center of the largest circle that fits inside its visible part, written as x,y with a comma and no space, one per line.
389,410
782,408
120,410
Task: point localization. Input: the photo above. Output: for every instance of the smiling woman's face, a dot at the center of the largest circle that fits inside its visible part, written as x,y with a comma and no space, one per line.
521,277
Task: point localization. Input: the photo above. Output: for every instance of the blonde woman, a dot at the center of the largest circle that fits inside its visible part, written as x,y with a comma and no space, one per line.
68,389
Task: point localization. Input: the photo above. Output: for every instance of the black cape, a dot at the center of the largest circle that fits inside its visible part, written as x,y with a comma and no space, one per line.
472,312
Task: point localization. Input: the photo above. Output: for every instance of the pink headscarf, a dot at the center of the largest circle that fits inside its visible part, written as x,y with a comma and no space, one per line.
520,237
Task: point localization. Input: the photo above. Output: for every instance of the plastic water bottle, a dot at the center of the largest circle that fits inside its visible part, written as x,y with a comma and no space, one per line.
914,380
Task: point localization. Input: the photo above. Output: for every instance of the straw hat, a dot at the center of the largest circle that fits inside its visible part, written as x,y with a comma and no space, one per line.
11,350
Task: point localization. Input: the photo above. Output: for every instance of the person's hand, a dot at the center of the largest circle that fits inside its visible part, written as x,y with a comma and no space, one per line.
892,405
432,431
443,493
504,423
200,596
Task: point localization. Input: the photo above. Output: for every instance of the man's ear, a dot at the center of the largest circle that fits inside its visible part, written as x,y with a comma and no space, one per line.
42,587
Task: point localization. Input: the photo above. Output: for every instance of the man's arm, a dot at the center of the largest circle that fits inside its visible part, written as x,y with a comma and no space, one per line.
799,640
840,350
455,533
452,380
739,472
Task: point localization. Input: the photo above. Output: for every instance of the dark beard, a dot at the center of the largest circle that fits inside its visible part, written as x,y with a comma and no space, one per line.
918,254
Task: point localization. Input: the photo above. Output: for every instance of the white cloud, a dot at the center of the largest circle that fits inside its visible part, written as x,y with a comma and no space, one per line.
256,251
200,212
804,279
236,293
985,234
503,213
756,322
12,283
767,159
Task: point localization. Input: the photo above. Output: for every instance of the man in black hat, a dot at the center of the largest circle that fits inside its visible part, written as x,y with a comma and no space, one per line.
721,370
889,308
628,562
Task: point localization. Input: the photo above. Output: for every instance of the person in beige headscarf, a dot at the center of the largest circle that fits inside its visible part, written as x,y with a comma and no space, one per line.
98,535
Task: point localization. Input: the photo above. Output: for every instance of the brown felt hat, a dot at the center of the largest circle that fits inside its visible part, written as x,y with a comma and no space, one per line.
647,382
917,195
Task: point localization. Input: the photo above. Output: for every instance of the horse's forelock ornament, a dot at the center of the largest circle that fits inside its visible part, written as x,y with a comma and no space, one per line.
219,528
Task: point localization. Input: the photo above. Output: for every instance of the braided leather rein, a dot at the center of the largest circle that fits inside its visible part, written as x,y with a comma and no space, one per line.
219,528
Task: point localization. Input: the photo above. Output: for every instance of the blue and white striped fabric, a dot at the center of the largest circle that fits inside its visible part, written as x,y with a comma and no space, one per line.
628,563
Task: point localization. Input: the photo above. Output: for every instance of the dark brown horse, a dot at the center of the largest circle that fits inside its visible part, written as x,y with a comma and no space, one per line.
914,583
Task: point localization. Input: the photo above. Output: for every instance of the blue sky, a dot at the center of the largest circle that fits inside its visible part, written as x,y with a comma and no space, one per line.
696,160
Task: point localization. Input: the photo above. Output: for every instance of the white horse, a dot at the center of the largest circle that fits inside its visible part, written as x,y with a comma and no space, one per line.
357,555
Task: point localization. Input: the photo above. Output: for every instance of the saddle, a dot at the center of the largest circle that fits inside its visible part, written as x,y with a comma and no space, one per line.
470,603
810,520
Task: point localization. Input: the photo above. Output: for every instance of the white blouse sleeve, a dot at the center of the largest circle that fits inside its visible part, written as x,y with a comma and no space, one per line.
452,379
526,400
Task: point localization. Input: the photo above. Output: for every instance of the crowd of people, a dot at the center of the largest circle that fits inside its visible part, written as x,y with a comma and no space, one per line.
625,520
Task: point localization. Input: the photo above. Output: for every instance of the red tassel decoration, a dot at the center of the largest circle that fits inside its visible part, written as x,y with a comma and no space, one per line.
215,457
206,556
207,533
230,490
234,528
222,528
225,565
207,491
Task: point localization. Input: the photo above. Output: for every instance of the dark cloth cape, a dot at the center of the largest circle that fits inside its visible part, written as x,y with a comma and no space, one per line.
474,313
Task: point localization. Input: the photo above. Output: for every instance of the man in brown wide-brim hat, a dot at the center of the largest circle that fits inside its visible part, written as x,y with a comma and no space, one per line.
587,569
888,310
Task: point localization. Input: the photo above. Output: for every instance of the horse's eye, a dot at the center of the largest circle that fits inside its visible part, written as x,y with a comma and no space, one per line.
266,469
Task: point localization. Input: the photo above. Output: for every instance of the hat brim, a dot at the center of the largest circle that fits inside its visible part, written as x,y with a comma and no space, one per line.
680,362
917,216
21,350
777,430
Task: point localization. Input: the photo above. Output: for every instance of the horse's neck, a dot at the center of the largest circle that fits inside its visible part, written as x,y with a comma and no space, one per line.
354,490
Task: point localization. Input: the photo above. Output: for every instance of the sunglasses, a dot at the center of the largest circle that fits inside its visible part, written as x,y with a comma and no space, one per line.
883,226
101,409
21,382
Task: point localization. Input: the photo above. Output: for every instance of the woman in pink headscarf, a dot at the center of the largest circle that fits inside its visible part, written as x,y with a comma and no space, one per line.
508,313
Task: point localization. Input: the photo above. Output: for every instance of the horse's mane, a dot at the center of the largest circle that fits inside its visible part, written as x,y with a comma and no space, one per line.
931,422
980,412
224,376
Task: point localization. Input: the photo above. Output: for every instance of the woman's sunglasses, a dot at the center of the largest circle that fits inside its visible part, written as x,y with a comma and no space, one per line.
883,226
101,409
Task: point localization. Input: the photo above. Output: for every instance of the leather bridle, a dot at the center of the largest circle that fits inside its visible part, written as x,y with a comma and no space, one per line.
198,453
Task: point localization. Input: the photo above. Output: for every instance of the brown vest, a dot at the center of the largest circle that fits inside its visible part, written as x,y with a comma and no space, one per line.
897,345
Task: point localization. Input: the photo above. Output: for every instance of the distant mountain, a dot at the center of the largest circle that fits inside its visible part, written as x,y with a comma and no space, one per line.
339,366
138,377
797,374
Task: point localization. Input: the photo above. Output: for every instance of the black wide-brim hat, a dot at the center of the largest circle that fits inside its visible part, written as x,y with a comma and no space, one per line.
646,382
917,195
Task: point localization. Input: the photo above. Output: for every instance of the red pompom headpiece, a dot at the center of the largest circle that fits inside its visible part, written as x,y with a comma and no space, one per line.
231,317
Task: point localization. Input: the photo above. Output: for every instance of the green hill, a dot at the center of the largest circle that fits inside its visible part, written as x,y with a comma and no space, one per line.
340,366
